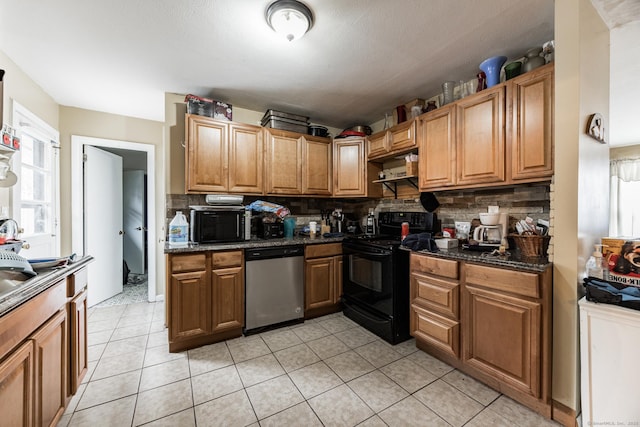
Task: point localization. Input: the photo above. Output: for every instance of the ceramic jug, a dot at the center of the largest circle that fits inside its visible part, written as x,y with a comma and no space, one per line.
532,59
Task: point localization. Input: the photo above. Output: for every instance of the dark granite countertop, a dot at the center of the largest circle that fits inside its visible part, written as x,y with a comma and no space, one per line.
513,259
250,244
23,291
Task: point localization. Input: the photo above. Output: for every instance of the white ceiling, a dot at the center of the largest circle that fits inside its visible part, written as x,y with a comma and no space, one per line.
360,59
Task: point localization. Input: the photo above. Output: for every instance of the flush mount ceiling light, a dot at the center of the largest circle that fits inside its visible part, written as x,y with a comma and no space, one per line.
289,18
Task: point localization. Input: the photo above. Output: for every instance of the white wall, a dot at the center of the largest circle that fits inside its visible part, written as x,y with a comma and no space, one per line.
580,189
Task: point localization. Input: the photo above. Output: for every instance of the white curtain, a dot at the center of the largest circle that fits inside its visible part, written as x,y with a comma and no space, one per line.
625,198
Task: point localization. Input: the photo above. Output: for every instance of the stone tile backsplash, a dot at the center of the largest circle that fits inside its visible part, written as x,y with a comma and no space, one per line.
519,201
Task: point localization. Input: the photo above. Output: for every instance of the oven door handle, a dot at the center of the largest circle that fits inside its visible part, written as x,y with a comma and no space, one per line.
361,251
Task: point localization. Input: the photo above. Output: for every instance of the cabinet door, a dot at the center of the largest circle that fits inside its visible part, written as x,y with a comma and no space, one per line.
16,387
532,124
78,338
245,159
319,283
206,158
377,145
190,305
402,137
51,370
349,171
502,337
228,298
480,137
437,147
284,163
317,175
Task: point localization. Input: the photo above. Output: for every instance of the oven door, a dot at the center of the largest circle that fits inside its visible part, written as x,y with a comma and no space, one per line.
368,277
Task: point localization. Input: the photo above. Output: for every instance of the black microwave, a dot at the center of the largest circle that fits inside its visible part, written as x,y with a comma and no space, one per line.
217,224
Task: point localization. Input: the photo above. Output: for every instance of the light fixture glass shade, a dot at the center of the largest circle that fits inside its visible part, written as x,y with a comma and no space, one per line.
290,18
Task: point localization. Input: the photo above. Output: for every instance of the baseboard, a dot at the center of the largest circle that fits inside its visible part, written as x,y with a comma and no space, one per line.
563,414
159,298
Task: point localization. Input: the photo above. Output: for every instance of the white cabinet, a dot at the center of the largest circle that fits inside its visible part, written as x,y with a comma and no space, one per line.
609,349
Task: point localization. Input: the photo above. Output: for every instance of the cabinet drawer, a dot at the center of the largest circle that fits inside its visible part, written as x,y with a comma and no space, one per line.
435,330
227,259
432,265
516,282
191,262
323,250
76,282
441,296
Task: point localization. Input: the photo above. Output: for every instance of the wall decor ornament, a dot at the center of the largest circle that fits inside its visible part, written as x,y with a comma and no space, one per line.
595,127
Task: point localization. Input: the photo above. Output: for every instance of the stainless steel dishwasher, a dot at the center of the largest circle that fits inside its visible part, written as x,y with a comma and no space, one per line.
274,286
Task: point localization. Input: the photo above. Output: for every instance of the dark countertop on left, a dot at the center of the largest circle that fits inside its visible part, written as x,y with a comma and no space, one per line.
25,290
250,244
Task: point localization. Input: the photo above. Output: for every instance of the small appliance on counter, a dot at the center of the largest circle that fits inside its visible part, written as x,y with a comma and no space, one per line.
221,220
270,230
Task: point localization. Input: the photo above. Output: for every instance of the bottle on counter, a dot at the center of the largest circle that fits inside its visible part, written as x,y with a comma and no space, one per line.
371,222
179,230
595,265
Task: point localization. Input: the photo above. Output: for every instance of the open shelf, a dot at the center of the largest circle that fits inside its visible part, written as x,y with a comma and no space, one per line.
392,183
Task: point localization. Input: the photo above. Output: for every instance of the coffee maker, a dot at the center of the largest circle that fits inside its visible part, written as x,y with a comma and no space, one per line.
337,221
492,235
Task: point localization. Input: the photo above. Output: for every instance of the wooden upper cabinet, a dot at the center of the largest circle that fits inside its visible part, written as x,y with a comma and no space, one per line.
317,167
223,156
206,157
284,162
402,136
480,137
437,148
531,124
349,167
377,145
246,159
395,140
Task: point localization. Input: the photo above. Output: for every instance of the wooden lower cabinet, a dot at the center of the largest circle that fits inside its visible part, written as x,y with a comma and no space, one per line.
190,305
502,337
323,279
43,350
205,297
50,373
492,323
78,340
16,387
228,299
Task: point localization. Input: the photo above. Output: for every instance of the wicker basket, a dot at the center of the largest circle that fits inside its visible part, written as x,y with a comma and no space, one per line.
531,245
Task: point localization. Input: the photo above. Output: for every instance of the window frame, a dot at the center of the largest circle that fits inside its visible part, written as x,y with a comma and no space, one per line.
24,121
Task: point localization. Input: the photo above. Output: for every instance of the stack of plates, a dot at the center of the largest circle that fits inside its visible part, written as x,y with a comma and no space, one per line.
285,121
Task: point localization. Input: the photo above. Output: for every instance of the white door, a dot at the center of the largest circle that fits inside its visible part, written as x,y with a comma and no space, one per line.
103,223
133,220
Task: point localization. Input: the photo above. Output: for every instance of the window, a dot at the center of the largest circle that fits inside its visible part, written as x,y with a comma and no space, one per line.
35,196
625,204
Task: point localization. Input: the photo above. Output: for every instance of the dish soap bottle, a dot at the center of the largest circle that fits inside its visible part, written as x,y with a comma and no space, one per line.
594,264
179,230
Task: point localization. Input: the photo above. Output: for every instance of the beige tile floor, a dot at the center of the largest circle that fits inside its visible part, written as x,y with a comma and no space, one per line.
326,372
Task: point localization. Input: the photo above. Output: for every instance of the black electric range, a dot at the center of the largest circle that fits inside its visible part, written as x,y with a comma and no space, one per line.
376,275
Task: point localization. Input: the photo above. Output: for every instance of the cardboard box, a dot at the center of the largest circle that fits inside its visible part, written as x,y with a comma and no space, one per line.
623,260
412,168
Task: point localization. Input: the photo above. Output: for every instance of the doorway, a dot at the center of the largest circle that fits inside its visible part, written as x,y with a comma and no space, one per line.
137,162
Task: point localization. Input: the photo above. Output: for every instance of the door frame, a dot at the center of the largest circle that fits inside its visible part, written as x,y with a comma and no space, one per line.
77,198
